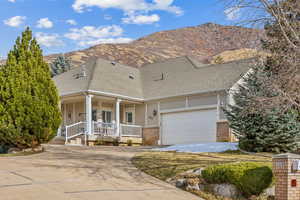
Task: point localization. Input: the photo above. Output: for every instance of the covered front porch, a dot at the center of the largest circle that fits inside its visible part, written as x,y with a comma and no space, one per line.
90,117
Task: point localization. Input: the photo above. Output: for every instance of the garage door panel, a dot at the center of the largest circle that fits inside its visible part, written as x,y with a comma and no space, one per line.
189,127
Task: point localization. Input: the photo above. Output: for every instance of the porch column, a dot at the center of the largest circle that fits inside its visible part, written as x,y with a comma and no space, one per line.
74,113
118,117
88,111
65,114
218,107
61,124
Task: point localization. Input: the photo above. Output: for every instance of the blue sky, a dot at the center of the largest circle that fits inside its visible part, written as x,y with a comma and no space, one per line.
67,25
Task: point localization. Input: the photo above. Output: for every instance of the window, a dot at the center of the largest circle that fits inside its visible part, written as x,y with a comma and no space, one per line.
129,117
106,116
94,115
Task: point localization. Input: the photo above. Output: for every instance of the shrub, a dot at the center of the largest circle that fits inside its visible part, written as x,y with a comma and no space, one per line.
3,149
249,177
115,142
129,142
100,142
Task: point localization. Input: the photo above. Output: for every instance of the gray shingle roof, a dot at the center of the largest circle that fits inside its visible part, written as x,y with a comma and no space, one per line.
184,75
101,75
70,82
173,77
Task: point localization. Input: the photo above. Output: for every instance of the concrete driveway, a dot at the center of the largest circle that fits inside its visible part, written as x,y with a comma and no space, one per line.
81,173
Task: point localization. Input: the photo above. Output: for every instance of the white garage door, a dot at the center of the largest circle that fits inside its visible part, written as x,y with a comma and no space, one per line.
189,127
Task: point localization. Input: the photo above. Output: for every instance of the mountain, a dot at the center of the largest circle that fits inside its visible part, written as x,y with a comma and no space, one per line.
238,54
202,42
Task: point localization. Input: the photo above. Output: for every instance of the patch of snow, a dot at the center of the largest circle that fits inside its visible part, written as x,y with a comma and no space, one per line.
213,147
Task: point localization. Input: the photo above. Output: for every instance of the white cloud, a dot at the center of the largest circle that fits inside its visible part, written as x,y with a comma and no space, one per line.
141,19
167,5
44,23
49,40
87,32
128,5
90,35
232,13
12,1
15,21
105,41
71,22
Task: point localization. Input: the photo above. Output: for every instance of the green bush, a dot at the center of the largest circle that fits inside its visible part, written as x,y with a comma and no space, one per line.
100,142
129,142
250,178
3,149
116,142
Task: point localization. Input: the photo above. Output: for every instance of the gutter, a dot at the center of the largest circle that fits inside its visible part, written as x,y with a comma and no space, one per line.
109,94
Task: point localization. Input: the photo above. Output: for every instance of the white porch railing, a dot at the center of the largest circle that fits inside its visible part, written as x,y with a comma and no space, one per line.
104,129
74,130
131,130
100,128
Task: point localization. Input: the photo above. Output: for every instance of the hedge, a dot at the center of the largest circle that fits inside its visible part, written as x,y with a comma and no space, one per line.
251,178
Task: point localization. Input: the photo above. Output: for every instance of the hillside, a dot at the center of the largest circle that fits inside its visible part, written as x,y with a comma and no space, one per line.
238,54
202,42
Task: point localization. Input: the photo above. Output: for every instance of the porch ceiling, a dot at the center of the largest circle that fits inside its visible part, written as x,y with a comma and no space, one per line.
81,98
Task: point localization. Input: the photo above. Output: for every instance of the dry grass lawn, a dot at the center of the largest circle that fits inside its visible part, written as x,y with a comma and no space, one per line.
164,165
19,154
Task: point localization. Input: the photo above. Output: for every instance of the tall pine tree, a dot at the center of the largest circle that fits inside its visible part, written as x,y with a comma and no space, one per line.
260,130
29,111
60,65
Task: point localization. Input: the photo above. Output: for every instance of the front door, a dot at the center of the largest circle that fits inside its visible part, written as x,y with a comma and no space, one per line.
106,116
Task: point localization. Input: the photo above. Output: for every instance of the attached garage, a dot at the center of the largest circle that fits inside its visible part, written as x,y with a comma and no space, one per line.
189,127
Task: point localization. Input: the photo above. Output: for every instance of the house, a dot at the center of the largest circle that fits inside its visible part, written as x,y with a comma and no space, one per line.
172,102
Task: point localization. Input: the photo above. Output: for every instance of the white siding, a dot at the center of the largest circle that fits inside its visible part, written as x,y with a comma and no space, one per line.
152,114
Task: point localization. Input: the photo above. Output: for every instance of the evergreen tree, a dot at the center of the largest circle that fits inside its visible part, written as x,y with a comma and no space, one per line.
29,112
271,130
60,65
265,116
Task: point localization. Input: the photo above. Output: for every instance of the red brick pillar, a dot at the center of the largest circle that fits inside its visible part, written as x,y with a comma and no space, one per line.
287,176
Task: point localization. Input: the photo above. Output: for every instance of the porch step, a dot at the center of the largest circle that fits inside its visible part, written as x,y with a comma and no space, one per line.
76,141
58,140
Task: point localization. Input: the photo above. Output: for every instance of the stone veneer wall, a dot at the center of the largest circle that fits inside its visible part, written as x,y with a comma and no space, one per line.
224,133
150,136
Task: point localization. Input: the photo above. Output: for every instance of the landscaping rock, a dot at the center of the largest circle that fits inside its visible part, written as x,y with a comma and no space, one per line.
169,180
27,150
188,172
193,181
14,150
193,172
201,186
180,183
226,190
35,149
38,149
192,187
270,191
198,171
192,184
